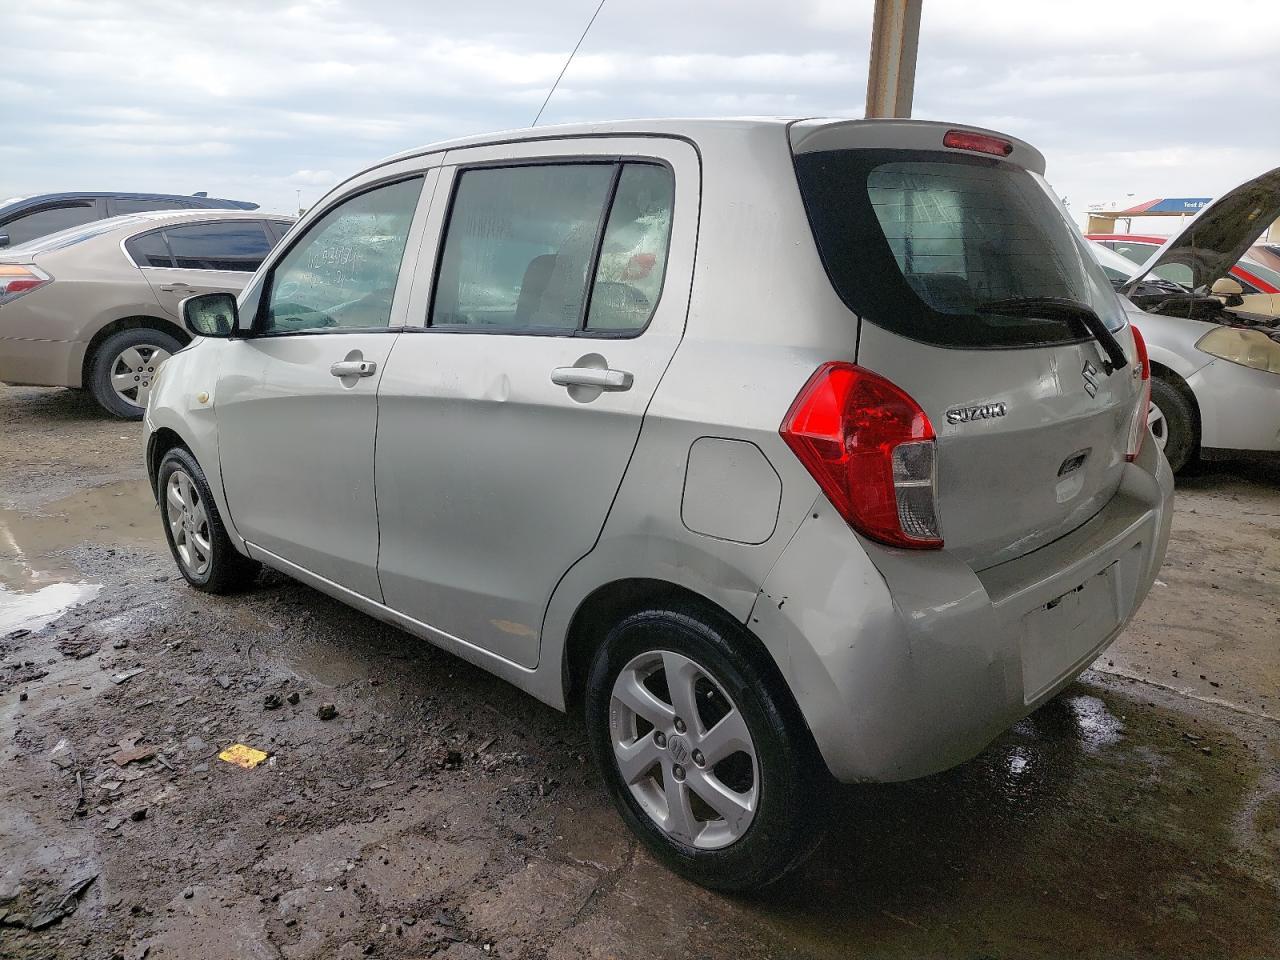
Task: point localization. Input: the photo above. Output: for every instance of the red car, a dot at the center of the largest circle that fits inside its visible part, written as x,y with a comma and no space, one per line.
1140,247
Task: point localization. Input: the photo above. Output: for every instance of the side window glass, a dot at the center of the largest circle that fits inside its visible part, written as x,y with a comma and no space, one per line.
519,246
237,245
343,272
49,220
633,256
149,250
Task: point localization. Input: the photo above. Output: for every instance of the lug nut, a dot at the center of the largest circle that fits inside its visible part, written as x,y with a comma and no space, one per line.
678,772
679,725
660,739
698,758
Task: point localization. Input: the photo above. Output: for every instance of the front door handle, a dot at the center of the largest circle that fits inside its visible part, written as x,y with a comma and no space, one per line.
354,368
176,287
592,377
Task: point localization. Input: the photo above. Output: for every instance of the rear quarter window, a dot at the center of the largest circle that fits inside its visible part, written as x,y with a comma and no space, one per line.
925,244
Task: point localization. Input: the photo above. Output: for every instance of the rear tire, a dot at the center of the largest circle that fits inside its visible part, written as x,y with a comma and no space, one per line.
124,367
194,529
1173,424
749,810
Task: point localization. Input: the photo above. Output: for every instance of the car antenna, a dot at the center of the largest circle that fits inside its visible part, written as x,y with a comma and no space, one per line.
572,54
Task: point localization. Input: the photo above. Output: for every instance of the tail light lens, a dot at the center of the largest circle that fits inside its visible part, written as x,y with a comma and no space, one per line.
17,279
872,451
1141,369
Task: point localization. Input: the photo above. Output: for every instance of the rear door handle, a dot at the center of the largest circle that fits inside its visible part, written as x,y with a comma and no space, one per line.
354,368
175,287
592,377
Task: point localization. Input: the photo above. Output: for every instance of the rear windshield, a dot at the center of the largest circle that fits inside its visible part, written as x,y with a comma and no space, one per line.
953,251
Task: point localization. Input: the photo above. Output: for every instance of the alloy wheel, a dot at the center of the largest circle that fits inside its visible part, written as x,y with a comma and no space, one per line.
683,748
188,523
1159,425
134,370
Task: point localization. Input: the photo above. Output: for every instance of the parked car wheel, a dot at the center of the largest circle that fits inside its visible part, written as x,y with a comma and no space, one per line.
1173,423
194,530
125,366
703,752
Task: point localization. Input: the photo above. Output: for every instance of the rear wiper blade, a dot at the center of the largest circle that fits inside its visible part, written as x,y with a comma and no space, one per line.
1062,306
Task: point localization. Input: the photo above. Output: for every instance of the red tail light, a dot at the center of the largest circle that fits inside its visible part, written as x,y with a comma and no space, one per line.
17,279
980,142
1141,369
871,449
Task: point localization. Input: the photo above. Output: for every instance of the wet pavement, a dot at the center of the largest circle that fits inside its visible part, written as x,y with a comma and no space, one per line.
442,813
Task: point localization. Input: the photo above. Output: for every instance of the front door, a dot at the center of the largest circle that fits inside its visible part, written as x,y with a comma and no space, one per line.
506,421
296,401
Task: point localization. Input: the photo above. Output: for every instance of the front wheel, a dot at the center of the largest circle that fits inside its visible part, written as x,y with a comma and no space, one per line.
197,539
1173,423
703,751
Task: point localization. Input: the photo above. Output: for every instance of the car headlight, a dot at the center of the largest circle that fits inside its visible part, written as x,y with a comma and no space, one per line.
1249,348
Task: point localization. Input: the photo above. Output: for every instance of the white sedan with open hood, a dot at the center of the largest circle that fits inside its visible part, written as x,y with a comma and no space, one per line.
1215,355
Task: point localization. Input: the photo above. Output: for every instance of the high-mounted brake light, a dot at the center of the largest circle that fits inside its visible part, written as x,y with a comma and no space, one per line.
871,449
980,142
1141,370
17,279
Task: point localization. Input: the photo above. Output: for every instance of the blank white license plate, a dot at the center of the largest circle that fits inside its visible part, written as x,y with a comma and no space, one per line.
1057,636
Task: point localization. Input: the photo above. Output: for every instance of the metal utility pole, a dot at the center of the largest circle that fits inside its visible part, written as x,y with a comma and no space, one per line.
891,80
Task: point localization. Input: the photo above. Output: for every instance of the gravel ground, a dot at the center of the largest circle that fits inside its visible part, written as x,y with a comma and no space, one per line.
442,813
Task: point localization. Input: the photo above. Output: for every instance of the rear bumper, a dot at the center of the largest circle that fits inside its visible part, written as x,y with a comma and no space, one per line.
906,663
1239,406
40,363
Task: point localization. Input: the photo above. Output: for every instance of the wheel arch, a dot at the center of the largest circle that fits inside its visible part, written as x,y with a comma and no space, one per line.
1175,380
611,602
161,441
135,322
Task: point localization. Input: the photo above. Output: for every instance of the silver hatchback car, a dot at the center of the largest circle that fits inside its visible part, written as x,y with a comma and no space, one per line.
774,448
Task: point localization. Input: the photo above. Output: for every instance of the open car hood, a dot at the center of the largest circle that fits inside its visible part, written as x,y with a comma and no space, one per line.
1219,235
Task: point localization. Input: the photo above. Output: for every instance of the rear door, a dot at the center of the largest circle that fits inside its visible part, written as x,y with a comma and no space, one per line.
958,264
185,259
549,306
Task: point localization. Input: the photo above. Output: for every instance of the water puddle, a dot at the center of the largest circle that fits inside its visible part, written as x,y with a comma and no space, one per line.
37,585
35,610
112,514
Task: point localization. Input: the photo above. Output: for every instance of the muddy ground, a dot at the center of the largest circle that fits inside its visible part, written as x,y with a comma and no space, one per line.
441,813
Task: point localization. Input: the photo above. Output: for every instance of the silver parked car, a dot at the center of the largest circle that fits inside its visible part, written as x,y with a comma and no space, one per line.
96,306
763,444
1215,352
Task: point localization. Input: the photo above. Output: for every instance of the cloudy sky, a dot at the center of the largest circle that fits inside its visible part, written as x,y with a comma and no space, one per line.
258,100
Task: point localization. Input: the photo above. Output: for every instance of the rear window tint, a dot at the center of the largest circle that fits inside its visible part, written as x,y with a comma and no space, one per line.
925,246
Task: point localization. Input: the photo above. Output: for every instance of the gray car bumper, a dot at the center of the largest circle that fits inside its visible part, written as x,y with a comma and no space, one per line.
905,663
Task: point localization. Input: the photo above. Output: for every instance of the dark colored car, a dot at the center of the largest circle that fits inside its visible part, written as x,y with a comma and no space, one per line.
32,217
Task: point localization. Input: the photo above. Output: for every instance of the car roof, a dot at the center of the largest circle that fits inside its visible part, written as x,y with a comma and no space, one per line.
212,203
703,129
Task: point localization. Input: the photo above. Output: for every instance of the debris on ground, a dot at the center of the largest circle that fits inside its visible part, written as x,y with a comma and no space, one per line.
327,711
125,675
243,756
272,701
48,915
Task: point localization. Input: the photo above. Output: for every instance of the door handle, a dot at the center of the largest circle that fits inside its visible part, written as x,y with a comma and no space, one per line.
175,287
354,368
592,377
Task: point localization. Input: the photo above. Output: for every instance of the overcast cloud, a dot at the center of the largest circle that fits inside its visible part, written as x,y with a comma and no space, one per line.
257,100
